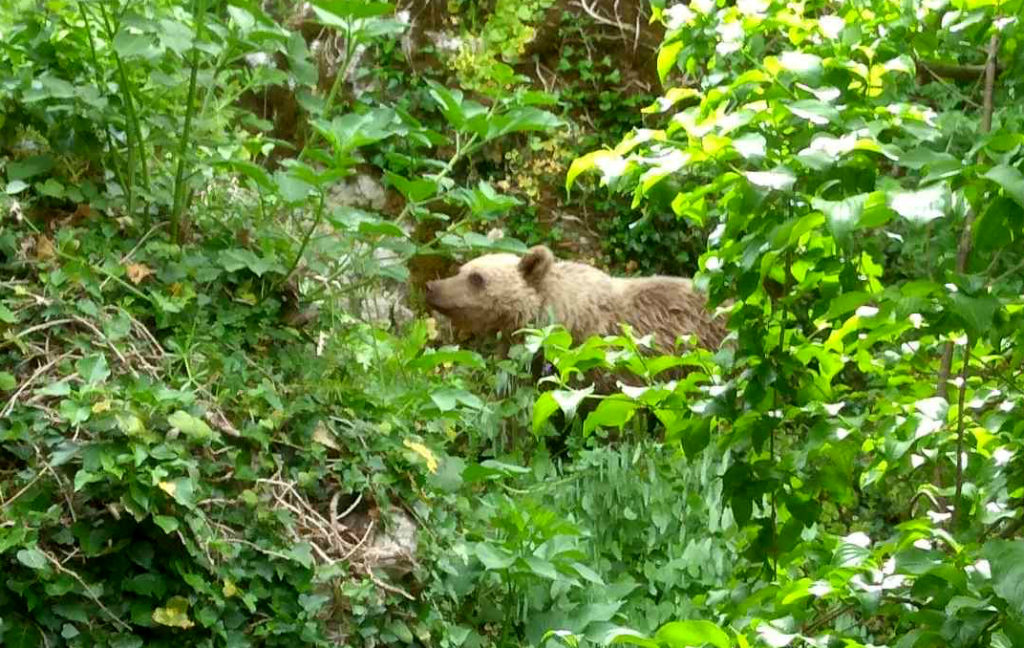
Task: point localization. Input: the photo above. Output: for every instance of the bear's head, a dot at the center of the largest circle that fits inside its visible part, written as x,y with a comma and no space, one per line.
493,292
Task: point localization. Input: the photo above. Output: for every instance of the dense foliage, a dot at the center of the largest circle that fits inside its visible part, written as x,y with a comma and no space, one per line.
222,425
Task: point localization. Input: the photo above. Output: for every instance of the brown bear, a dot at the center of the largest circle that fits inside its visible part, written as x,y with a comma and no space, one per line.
504,292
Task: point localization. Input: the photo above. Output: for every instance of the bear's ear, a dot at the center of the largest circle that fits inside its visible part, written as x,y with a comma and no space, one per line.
536,264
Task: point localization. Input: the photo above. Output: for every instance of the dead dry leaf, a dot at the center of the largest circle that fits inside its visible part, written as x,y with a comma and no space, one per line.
44,248
137,272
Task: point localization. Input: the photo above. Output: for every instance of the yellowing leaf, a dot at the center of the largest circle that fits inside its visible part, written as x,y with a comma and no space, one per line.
137,272
175,614
168,487
102,406
229,589
424,452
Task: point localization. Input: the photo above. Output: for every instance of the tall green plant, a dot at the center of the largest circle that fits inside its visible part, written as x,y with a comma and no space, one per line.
870,243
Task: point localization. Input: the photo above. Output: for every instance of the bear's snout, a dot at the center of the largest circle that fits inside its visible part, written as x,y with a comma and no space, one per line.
433,293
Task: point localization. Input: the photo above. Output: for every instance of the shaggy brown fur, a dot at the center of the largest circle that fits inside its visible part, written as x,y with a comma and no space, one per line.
504,292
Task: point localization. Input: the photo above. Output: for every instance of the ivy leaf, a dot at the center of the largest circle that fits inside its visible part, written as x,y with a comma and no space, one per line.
680,634
93,369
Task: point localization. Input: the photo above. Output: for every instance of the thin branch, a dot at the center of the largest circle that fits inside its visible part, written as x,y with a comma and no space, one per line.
964,248
957,499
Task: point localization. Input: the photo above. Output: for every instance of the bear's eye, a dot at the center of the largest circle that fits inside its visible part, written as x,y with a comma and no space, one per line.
476,279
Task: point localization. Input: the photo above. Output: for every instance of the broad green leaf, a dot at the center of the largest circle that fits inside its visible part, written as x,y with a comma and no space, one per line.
190,426
817,112
781,179
29,167
301,553
6,316
1006,559
416,190
15,187
569,400
542,568
353,8
680,634
841,215
353,130
1010,179
521,119
629,637
236,259
667,56
131,45
802,64
612,412
32,558
493,558
923,205
93,369
168,524
606,161
543,408
7,381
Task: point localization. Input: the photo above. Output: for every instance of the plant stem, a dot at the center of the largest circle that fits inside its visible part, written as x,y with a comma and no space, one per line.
179,174
960,436
133,130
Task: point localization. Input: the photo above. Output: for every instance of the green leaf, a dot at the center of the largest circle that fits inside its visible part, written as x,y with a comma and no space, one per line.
542,568
167,523
29,167
352,8
781,179
667,57
630,637
493,558
236,259
353,130
7,381
520,120
190,426
416,190
612,412
1006,559
679,634
93,369
923,205
302,553
817,112
977,313
841,215
1010,179
569,400
32,558
802,64
130,45
543,408
608,162
7,316
15,187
